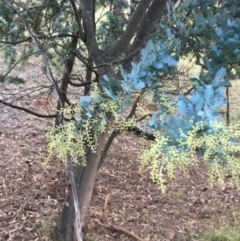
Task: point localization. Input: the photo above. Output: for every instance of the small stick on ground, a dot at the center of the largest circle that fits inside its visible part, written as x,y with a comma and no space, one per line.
105,207
113,227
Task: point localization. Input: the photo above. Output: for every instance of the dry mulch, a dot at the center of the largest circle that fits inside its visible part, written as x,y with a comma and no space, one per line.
125,202
126,197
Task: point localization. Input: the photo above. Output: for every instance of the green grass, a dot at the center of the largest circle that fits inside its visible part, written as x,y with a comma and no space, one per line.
226,233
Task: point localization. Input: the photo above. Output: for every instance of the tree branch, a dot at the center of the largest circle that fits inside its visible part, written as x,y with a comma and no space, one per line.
78,20
107,146
16,42
29,39
68,66
27,110
88,16
135,104
131,29
154,14
137,131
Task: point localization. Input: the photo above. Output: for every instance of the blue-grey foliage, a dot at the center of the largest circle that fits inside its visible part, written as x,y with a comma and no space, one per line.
211,36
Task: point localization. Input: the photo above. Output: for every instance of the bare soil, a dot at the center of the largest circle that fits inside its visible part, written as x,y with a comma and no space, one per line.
126,204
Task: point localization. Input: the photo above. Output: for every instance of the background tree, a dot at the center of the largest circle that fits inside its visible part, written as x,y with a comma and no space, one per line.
123,69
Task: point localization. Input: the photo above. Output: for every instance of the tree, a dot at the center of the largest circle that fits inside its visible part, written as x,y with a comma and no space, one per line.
130,57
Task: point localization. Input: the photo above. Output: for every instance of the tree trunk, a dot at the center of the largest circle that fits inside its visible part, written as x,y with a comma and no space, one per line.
85,178
144,18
